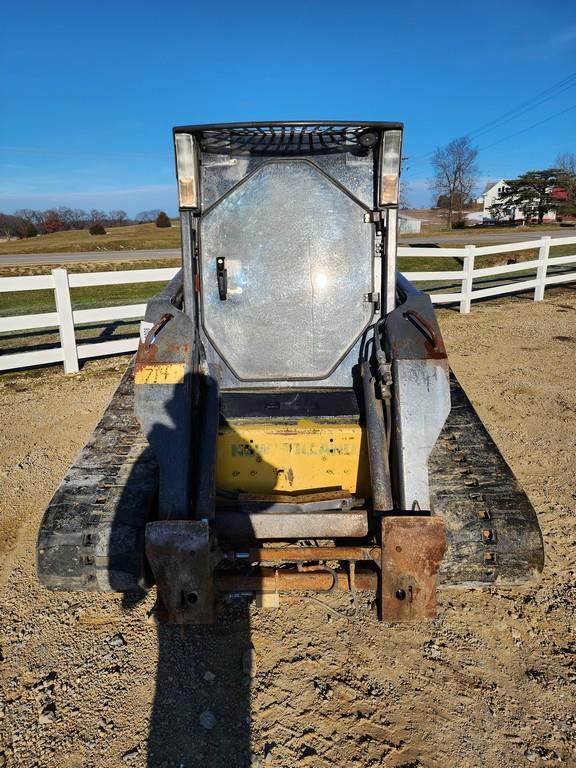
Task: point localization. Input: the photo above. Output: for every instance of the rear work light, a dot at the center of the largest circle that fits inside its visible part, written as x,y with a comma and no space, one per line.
390,167
187,170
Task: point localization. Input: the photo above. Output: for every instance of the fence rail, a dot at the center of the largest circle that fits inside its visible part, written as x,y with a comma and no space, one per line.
66,319
470,272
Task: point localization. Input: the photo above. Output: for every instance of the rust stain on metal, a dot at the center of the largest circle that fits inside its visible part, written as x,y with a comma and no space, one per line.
302,554
412,550
181,559
169,369
146,354
435,352
296,498
156,328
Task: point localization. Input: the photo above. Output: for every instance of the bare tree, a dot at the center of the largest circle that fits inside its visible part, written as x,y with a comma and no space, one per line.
455,175
566,165
66,216
117,217
145,216
11,226
52,221
28,214
96,216
32,217
404,201
78,218
566,161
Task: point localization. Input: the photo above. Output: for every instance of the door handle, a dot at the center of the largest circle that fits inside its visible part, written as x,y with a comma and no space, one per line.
222,277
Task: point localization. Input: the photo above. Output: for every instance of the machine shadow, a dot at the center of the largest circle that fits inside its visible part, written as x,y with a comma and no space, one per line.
201,708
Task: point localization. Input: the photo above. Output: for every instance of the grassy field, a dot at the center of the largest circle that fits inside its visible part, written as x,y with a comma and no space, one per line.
103,296
149,236
134,238
437,231
31,302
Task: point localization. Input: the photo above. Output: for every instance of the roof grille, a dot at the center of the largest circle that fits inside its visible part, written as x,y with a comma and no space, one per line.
285,140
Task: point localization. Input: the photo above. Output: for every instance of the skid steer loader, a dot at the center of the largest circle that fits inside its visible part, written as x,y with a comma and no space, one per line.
290,421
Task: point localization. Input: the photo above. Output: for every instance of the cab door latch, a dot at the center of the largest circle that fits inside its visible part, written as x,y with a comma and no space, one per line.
222,277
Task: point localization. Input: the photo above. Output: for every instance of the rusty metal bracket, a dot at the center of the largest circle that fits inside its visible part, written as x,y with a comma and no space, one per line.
155,330
182,562
412,550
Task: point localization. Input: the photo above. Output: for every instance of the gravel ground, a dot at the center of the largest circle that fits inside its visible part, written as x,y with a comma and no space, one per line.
90,681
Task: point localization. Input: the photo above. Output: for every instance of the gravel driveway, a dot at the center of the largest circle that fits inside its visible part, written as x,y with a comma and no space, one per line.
90,681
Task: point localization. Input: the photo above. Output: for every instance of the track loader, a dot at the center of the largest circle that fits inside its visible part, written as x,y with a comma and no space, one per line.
290,421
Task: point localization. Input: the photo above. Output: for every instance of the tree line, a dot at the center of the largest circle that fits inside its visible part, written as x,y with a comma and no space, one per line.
28,222
533,193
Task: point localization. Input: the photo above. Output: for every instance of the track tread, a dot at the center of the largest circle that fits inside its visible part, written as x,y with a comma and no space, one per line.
470,477
92,534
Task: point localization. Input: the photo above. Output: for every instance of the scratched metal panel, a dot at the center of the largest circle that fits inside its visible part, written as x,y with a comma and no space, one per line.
299,263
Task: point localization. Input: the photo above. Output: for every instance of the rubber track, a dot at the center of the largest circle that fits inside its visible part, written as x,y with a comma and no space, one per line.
92,535
492,529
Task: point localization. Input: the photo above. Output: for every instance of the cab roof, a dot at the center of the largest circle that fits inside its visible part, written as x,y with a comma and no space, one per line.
288,137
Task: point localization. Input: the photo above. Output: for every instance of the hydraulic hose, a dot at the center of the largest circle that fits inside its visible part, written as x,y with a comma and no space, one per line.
377,443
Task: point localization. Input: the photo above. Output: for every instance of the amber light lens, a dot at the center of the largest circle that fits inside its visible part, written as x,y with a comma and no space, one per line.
186,168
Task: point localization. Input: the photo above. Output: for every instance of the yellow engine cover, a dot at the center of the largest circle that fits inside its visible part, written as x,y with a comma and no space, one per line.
265,456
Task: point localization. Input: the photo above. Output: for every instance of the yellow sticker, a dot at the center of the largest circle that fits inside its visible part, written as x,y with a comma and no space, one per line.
160,373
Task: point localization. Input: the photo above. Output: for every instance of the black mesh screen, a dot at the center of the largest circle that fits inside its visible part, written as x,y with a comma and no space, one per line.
286,140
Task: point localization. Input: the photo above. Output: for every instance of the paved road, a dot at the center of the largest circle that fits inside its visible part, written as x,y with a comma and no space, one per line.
22,259
472,237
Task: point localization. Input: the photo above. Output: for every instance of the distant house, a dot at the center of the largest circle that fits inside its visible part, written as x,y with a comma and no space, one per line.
487,188
492,193
559,193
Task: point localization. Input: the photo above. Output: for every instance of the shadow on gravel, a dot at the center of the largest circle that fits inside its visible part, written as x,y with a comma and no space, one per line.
201,708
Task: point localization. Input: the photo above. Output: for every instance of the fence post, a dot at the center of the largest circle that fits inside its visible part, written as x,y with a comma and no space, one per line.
543,254
468,278
65,320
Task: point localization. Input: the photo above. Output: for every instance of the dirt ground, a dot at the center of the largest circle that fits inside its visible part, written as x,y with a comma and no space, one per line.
90,681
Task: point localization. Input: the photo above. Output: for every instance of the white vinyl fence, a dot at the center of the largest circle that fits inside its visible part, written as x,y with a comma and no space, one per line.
543,276
66,319
546,271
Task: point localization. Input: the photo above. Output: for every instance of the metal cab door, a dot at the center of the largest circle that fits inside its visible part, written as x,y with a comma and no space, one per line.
286,270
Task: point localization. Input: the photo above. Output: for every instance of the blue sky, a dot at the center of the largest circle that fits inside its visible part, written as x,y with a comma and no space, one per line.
89,91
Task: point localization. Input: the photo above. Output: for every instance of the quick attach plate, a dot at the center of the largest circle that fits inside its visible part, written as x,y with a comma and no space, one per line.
412,550
179,554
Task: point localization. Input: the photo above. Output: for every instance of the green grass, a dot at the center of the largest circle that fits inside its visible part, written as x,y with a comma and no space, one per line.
480,262
424,264
136,237
431,230
33,302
